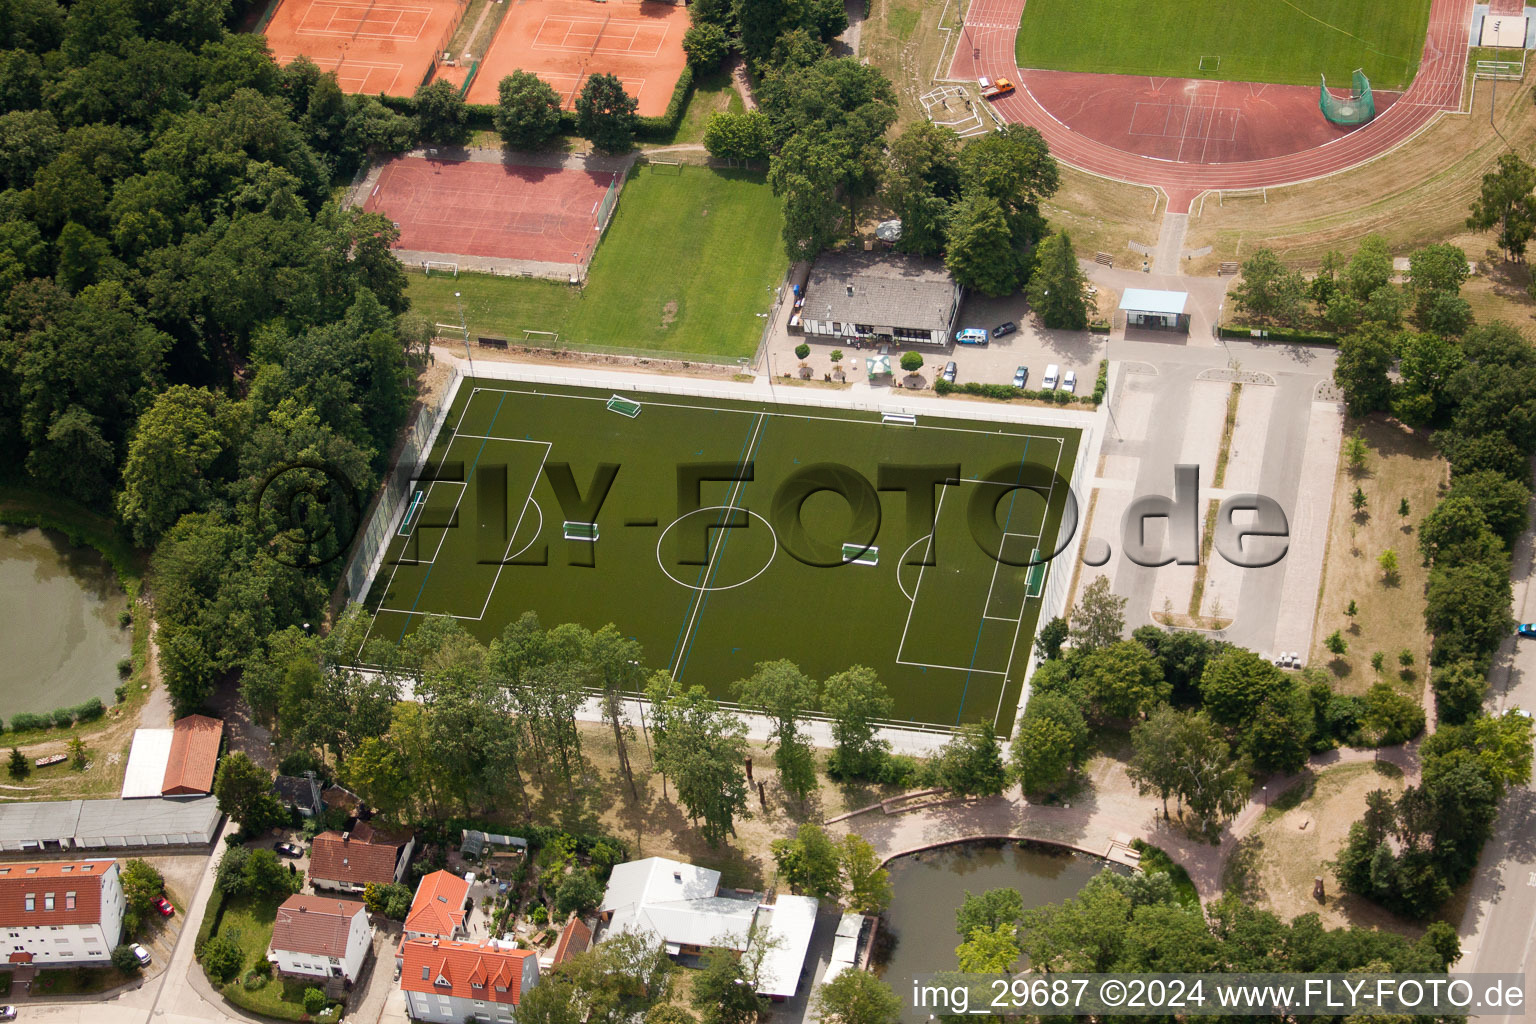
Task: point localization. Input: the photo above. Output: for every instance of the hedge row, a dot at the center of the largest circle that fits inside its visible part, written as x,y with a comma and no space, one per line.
482,116
1102,384
63,718
1245,333
1007,392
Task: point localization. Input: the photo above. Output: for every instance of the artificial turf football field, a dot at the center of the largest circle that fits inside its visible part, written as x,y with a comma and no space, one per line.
1286,42
709,593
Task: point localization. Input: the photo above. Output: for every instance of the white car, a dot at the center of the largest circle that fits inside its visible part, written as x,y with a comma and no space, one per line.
141,955
1052,376
1069,381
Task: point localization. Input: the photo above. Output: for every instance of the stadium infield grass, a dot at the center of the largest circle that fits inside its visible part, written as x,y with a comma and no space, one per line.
950,639
691,259
1285,42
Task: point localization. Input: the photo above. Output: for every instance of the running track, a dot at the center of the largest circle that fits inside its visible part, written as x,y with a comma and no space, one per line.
991,26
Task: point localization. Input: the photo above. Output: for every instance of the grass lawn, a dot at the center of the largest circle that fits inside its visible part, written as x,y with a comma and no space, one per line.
1301,831
1289,42
1401,464
77,981
249,923
712,94
688,264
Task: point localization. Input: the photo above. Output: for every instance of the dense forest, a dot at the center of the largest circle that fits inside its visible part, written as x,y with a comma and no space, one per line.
185,307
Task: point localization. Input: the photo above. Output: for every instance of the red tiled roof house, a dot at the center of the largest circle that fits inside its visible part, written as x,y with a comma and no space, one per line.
320,937
61,912
447,982
349,860
438,911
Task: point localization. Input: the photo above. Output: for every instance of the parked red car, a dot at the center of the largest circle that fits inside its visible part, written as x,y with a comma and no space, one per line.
164,906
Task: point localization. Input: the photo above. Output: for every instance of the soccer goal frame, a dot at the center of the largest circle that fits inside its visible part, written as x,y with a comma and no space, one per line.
624,406
574,530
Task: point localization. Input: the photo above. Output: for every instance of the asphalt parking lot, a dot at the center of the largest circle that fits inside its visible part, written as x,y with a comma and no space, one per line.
1031,346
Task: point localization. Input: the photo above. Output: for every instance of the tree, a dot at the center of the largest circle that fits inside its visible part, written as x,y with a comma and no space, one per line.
1160,745
810,862
20,767
785,694
125,960
1456,530
857,997
971,763
807,173
989,950
1355,452
980,247
1336,644
723,993
802,351
744,136
527,110
1368,269
1433,272
1014,166
991,910
1098,620
1351,609
243,790
180,449
141,885
1503,502
1365,357
921,182
1058,288
1123,680
1235,683
702,750
856,700
392,900
605,114
1403,509
579,893
911,361
1388,562
867,884
706,46
222,959
1467,610
1052,740
441,116
314,1000
1269,290
1506,203
1049,638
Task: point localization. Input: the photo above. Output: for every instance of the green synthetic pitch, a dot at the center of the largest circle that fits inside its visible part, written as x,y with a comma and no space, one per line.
1286,42
688,265
708,601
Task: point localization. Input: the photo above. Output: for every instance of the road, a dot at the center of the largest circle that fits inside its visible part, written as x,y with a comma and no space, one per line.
1498,929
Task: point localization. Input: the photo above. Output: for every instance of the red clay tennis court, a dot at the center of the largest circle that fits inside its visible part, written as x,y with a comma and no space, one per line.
564,41
388,47
507,211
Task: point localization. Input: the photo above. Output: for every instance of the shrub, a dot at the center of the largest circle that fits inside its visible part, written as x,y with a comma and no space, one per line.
125,618
124,668
120,693
63,717
221,958
802,350
90,710
1102,384
124,960
314,1000
27,721
539,914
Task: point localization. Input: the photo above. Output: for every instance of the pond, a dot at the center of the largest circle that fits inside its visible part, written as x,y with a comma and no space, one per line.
61,641
928,887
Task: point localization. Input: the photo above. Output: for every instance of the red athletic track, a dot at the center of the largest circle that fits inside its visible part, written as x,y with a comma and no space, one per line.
498,210
1095,136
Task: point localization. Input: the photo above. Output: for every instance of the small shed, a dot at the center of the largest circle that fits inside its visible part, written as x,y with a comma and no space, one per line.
1157,310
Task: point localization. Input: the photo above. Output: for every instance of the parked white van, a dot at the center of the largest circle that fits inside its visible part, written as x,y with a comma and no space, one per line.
1052,374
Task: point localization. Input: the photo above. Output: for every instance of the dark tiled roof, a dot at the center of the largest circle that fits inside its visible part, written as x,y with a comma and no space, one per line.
888,290
364,856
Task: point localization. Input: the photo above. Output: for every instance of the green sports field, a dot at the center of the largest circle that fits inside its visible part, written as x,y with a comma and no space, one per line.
715,577
690,261
1287,42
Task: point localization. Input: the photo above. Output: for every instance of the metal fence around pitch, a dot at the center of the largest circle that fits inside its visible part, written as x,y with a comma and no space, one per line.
440,52
373,539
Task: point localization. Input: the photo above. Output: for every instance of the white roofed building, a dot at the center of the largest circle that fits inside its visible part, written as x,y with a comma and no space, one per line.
682,906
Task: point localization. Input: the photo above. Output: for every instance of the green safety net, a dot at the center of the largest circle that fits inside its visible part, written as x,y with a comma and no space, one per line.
1356,108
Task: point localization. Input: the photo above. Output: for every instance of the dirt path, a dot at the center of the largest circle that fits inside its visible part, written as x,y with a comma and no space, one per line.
1109,811
743,84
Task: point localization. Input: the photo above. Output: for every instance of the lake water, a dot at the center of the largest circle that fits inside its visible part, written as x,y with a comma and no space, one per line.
929,887
60,642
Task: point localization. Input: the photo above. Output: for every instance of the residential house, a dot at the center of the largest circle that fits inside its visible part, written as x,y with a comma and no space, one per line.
450,981
440,908
350,859
683,907
61,912
575,938
320,937
888,296
301,792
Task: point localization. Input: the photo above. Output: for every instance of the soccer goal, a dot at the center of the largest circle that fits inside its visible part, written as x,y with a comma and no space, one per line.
1034,584
861,554
624,406
408,521
672,167
901,419
580,531
427,266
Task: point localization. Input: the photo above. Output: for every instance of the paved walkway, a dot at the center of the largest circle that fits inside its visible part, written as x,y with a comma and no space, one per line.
1110,809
